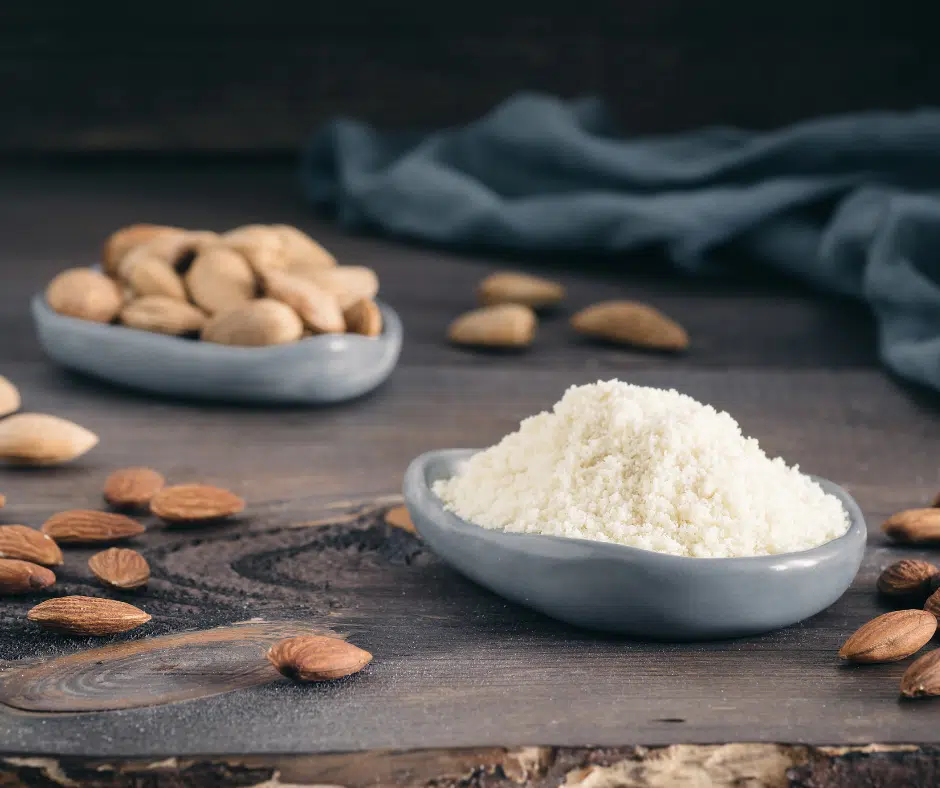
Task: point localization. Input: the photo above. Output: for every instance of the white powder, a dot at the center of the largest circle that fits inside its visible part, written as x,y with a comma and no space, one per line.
647,468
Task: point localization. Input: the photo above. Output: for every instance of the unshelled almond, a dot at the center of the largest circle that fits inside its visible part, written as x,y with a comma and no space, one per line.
502,326
301,251
86,615
348,283
317,658
914,526
40,439
220,279
120,242
255,324
23,577
195,503
511,287
85,294
631,323
146,275
86,526
398,517
163,315
28,544
364,317
922,678
890,637
9,397
318,308
132,488
119,567
907,578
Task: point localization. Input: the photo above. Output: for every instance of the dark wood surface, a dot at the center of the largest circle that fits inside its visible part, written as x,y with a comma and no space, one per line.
454,665
235,75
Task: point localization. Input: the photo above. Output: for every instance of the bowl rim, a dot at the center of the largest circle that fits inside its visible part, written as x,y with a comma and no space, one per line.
418,492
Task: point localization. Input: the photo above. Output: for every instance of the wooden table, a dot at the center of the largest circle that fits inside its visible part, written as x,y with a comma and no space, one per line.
464,686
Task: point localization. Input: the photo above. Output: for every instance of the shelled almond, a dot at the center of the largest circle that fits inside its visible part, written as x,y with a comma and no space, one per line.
9,397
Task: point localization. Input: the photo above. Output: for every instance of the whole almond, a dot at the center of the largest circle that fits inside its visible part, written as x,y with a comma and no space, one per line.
932,605
40,439
86,526
176,250
146,275
914,526
504,326
220,279
195,503
85,294
261,245
132,488
511,287
122,241
163,315
398,517
348,283
28,544
907,578
364,317
23,577
318,308
922,678
631,323
9,397
120,568
301,251
890,637
86,615
317,658
255,324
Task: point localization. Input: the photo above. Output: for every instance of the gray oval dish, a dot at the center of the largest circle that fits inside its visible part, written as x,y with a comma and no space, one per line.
316,370
637,592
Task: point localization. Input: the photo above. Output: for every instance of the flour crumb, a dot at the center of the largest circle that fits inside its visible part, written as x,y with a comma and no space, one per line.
646,468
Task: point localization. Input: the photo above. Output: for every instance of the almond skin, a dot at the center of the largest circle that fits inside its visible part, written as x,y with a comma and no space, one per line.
631,323
255,324
23,577
914,526
907,578
220,279
502,326
40,439
28,544
9,397
511,287
132,488
85,294
85,615
195,503
317,658
85,526
120,568
162,315
890,637
398,517
364,317
318,308
922,678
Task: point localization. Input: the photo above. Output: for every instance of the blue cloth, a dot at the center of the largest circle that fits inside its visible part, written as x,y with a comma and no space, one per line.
849,204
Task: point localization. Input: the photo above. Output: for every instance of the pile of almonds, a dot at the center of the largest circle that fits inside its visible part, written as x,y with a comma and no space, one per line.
252,286
899,634
507,317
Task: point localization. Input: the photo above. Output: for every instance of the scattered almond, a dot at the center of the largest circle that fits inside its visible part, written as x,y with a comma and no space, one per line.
146,275
9,397
220,279
255,324
318,308
162,315
914,525
398,517
631,323
511,287
907,578
922,678
85,294
40,439
23,577
85,615
504,326
132,488
364,317
86,526
28,544
119,243
348,283
890,637
317,658
195,503
120,568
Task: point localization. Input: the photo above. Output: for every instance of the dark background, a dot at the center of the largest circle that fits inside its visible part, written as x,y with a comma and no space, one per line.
260,75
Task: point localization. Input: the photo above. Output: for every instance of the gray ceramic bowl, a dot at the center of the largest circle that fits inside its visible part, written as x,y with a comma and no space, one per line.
638,592
316,370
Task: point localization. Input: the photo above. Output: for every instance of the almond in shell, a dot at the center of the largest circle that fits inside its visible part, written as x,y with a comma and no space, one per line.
914,526
195,504
364,317
23,577
85,615
631,323
86,526
511,287
348,283
890,637
9,397
318,309
220,279
85,294
502,326
121,568
163,315
40,439
132,488
317,658
28,544
907,578
255,324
